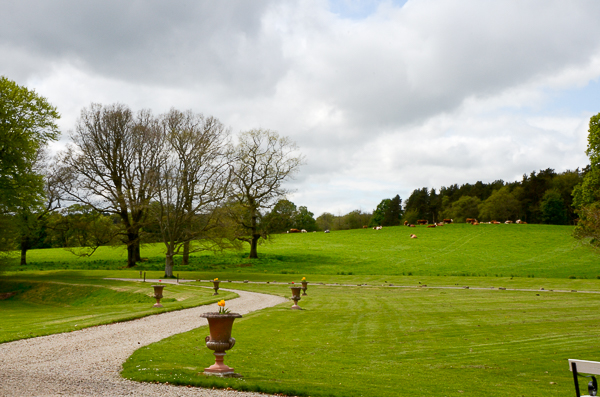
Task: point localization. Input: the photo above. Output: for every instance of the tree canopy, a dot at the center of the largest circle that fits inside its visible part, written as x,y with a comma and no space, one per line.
27,124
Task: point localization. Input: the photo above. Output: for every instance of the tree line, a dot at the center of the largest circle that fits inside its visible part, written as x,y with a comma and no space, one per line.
540,197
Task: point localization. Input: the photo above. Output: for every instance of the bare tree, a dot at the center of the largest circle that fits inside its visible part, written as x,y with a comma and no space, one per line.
261,161
113,165
193,182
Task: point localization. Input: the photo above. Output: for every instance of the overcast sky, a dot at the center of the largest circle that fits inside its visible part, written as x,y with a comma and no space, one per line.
383,97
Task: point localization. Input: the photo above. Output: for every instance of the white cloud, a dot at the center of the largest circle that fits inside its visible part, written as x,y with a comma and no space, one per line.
428,94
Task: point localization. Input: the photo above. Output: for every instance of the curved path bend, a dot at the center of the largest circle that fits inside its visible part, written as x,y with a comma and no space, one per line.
88,362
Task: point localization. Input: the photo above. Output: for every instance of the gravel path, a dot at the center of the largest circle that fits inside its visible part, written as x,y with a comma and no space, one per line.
88,362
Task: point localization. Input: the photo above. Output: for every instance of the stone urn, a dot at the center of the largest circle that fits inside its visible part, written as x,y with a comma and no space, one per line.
296,297
304,287
158,294
220,340
216,287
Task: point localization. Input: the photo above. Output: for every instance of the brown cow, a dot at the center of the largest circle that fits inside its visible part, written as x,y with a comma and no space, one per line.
294,231
433,225
471,220
365,227
422,222
406,223
448,221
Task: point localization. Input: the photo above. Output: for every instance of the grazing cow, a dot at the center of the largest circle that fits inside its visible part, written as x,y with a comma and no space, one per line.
303,231
422,222
378,228
327,231
411,225
470,220
294,231
433,225
440,224
406,223
520,222
508,222
448,221
495,222
413,236
365,227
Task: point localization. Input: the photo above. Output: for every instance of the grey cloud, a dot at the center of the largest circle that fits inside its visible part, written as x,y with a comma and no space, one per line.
189,43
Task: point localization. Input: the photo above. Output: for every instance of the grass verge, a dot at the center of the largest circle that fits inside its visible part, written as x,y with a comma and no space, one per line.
374,341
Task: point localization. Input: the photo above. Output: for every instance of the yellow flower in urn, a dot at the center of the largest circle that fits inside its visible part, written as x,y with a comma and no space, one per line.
303,278
216,279
222,309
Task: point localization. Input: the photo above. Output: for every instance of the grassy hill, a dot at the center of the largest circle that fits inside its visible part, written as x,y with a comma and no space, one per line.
453,250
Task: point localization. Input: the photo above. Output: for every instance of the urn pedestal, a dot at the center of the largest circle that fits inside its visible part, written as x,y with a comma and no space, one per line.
216,287
219,341
304,287
296,297
158,294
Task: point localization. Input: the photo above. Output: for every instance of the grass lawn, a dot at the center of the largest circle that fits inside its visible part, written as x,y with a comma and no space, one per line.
376,340
373,341
61,302
453,250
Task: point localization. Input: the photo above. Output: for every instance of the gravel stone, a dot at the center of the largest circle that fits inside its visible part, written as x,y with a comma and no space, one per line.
88,362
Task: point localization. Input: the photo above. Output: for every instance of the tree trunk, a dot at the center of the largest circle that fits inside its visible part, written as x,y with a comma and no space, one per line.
255,236
137,255
133,248
24,248
186,254
254,246
169,265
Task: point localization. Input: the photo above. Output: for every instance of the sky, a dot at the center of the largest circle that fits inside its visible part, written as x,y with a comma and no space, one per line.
382,97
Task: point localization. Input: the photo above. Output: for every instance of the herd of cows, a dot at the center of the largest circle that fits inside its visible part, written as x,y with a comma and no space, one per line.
425,222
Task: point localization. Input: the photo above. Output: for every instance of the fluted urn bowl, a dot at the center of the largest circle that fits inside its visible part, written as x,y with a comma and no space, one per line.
304,287
216,287
220,340
296,296
158,294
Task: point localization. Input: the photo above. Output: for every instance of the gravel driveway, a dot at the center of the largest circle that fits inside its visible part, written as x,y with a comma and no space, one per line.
88,362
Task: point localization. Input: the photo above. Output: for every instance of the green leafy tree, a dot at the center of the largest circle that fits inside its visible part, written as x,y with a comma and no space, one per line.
326,221
282,216
379,213
304,219
586,196
27,124
393,213
554,211
501,205
463,208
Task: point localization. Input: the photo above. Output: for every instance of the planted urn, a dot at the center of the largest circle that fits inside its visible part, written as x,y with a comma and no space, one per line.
220,325
296,297
304,286
216,286
158,294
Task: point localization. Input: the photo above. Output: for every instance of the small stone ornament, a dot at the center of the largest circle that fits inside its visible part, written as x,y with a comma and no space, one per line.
296,297
158,294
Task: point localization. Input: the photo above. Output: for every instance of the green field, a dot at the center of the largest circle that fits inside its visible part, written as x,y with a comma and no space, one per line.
412,330
459,249
373,341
